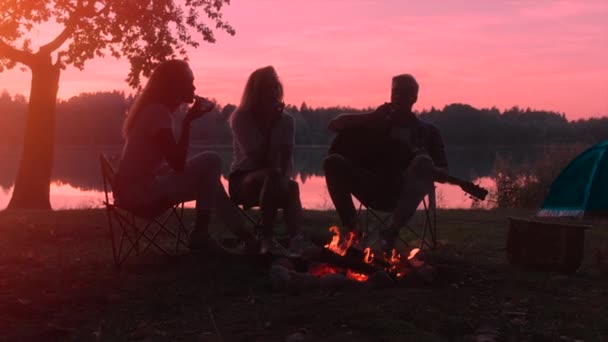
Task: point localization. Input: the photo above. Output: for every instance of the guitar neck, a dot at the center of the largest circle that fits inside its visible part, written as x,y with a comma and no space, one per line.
455,180
468,187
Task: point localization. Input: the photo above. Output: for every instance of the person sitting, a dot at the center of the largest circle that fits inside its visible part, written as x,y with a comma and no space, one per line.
154,174
388,159
262,163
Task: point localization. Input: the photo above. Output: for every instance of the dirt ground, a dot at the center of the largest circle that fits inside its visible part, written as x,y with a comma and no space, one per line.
57,282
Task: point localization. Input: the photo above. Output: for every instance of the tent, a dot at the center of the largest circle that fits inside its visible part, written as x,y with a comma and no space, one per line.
581,189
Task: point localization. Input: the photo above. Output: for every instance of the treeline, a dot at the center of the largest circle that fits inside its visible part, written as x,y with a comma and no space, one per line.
96,119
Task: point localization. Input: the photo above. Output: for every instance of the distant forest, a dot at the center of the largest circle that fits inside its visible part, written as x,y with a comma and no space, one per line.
96,119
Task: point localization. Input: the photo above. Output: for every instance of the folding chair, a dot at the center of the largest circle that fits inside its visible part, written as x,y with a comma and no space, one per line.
425,232
129,230
255,220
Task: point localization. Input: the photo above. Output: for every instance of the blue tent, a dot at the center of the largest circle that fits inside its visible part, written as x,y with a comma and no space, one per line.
581,189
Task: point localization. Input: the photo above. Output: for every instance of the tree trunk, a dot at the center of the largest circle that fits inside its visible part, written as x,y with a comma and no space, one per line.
32,185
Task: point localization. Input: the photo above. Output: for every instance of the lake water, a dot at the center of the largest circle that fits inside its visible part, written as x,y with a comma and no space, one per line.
77,181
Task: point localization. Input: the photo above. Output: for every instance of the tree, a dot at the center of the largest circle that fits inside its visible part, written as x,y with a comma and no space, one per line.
146,32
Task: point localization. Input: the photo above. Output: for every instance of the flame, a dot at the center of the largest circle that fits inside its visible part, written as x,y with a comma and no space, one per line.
412,258
413,253
335,240
394,261
334,245
337,246
369,256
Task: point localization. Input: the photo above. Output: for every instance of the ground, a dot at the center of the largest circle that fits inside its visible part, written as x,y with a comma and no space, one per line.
57,282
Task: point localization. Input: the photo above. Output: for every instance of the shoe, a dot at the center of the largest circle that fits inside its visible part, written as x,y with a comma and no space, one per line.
272,246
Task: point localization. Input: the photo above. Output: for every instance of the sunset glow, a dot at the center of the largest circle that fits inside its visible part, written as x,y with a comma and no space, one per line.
543,54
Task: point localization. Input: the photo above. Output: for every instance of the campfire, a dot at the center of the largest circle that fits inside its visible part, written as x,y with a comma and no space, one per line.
346,262
356,262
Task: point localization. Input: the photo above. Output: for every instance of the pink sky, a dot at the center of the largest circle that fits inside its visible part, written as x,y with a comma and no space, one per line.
544,54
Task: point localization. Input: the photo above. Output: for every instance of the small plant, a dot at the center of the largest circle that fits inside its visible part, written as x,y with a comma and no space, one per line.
526,185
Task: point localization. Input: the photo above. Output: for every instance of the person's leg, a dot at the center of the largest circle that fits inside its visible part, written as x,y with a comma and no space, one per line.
344,180
202,172
340,185
265,188
293,208
200,180
272,195
271,190
228,213
417,183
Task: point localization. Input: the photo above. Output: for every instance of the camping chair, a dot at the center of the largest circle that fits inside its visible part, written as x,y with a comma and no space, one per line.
252,213
254,218
128,230
425,232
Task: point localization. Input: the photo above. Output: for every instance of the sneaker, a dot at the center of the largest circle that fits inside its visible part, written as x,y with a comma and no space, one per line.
272,246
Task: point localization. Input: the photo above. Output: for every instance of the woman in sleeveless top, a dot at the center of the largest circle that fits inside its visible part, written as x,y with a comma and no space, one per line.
154,173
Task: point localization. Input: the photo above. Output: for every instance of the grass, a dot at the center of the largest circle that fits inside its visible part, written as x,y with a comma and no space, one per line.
57,283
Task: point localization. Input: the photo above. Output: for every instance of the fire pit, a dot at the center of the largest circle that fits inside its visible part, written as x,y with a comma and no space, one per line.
345,263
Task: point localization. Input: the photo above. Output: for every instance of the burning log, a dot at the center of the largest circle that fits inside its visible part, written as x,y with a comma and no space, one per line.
352,260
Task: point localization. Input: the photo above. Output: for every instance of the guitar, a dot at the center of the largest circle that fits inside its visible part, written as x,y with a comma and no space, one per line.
476,191
372,147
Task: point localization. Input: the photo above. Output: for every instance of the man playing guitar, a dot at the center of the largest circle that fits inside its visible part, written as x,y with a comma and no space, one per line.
388,159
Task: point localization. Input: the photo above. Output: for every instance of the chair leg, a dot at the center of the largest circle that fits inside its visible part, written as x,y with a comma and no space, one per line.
426,234
111,231
255,222
129,223
179,215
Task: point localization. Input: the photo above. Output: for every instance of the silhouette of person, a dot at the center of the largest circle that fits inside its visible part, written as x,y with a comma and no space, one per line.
378,182
153,172
262,163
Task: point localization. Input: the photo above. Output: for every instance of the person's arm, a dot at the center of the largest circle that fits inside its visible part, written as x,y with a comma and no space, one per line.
176,153
437,153
286,159
287,147
345,121
248,138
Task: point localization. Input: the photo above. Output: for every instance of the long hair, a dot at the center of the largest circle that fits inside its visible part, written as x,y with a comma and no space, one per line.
161,88
263,87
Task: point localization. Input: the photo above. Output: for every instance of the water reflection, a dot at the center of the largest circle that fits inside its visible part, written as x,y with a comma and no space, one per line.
77,180
63,196
313,192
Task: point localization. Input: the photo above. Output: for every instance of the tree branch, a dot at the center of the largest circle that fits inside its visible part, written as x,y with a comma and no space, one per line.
60,39
79,13
8,51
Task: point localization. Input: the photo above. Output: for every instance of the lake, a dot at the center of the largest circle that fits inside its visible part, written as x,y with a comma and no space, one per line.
76,180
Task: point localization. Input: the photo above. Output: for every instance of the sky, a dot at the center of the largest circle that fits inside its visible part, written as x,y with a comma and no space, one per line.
541,54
